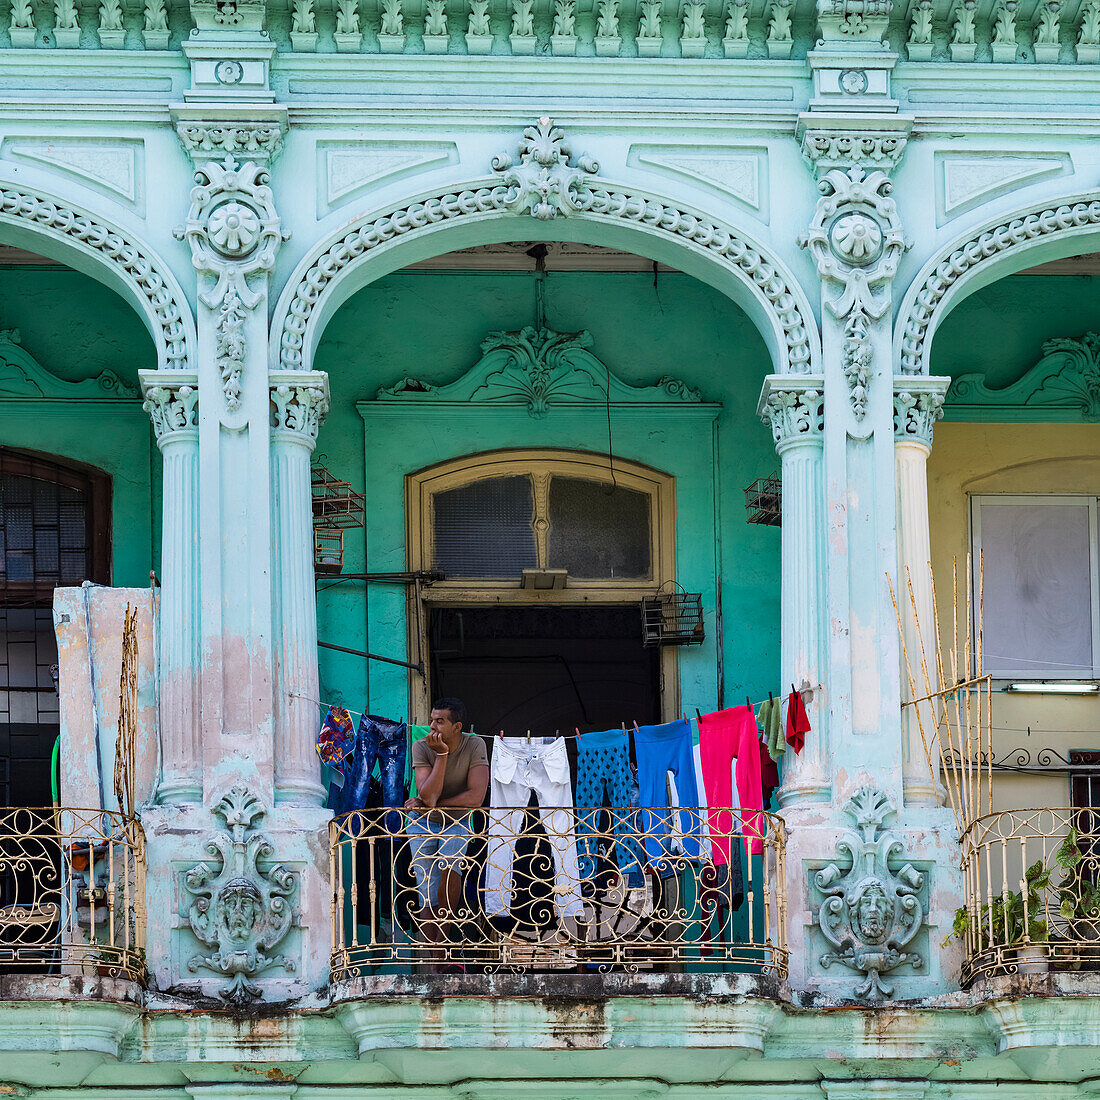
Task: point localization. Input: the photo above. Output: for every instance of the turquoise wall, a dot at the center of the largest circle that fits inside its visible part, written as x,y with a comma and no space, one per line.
76,328
1000,329
429,325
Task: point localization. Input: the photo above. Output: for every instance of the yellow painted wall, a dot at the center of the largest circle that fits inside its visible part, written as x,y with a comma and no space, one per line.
973,459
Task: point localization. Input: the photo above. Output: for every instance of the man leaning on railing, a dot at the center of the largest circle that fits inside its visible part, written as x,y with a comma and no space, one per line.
452,773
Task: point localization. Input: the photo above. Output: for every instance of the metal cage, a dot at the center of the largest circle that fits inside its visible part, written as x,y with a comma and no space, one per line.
764,500
672,616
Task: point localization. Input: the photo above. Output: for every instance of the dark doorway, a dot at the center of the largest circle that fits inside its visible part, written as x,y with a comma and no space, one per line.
545,669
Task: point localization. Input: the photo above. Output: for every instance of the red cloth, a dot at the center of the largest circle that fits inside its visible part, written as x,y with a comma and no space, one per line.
723,737
798,722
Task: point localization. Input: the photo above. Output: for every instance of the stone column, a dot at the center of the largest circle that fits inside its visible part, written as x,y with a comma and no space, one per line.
171,399
918,404
299,401
794,410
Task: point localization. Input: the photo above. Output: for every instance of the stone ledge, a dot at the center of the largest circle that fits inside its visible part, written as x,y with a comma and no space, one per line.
69,987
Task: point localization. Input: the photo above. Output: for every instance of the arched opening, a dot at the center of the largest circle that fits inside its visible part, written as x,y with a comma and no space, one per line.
1014,484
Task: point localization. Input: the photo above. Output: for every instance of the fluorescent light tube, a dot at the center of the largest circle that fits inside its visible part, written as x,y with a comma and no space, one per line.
1048,687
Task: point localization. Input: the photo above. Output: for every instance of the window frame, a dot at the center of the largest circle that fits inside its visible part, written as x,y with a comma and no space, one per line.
980,500
541,464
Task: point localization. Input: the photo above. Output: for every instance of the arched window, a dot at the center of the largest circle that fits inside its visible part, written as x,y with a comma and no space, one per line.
54,530
487,519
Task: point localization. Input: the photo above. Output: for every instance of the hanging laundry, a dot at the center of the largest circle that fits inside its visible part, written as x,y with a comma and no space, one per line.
771,726
334,742
660,750
519,770
604,779
798,722
769,775
725,736
384,740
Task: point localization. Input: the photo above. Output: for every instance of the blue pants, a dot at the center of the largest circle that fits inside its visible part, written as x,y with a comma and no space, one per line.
435,847
660,750
603,778
384,741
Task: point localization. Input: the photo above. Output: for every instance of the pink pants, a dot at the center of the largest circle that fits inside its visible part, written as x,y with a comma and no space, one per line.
725,736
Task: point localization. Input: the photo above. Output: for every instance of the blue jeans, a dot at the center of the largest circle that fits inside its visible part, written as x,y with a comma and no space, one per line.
384,741
436,846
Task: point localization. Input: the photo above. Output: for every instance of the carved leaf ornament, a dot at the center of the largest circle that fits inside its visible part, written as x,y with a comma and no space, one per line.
548,181
870,913
239,909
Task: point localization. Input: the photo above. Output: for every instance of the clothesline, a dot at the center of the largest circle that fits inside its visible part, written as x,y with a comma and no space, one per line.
489,736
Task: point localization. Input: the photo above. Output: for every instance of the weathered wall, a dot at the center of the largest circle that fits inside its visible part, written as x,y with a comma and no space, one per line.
430,325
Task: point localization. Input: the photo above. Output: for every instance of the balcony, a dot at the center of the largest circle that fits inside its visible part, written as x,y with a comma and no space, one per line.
566,890
1032,889
72,893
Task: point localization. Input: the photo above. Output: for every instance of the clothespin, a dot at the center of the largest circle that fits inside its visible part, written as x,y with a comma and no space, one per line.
771,699
698,715
749,704
528,737
501,735
577,730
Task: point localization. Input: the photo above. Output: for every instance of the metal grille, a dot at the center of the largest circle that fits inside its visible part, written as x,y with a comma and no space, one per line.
485,529
72,893
523,900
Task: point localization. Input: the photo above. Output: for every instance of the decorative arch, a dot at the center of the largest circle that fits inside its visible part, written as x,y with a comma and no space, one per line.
102,250
1034,235
564,194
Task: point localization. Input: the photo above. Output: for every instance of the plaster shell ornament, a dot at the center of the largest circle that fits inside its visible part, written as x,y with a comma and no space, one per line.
547,175
871,913
694,23
779,26
22,15
347,17
479,18
1046,32
920,30
649,22
1004,27
1090,26
393,20
737,21
239,909
607,22
110,15
303,19
65,18
523,18
963,34
856,241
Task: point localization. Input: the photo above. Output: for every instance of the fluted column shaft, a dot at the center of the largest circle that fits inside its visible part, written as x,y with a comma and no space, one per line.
794,409
918,404
299,402
172,402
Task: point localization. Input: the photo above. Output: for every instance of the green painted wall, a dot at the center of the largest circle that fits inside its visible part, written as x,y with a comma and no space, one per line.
77,328
1001,329
430,325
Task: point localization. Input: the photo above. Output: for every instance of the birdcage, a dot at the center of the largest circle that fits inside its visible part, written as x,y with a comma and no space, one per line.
763,501
336,508
672,616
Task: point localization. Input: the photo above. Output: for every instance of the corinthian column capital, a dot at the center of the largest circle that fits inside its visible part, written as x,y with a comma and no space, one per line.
299,403
172,402
918,404
793,407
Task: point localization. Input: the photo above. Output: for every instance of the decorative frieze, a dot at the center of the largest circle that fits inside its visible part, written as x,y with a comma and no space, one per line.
854,23
537,185
241,906
826,150
870,912
258,141
917,408
856,241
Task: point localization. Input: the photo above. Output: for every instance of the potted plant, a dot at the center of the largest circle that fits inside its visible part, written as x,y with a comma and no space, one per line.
1014,922
1079,903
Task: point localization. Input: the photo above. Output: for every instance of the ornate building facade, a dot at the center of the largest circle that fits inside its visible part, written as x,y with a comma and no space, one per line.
424,244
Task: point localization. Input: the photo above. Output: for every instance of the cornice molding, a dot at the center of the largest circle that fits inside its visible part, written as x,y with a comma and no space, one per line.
23,378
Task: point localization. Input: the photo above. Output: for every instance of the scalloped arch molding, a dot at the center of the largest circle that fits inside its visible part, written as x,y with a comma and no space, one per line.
943,279
548,182
153,291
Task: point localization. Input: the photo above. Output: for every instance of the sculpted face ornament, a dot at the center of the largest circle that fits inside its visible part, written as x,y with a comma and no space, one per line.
238,909
870,912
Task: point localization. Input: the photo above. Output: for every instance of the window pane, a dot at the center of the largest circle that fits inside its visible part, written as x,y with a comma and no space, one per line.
484,529
1038,592
598,531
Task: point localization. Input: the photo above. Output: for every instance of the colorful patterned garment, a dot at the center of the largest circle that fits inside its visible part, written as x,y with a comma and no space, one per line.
335,741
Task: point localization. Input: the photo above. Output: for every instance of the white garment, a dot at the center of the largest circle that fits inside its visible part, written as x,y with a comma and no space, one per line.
518,769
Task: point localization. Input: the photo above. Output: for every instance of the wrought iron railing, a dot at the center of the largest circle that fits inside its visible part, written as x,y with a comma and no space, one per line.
72,893
1032,890
558,889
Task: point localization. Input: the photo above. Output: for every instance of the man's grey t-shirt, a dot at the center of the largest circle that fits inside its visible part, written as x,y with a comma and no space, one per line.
470,753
